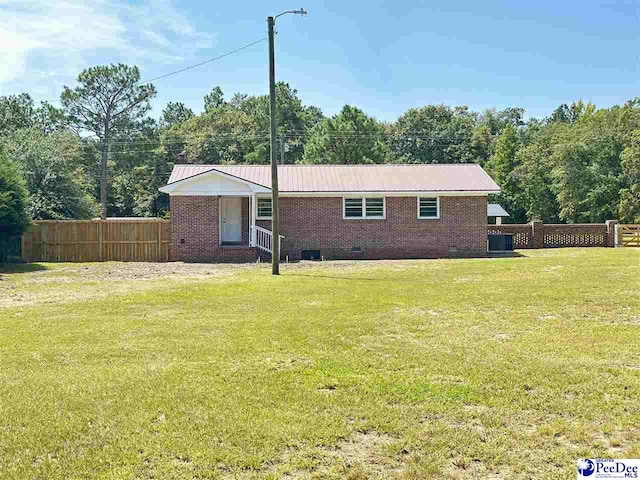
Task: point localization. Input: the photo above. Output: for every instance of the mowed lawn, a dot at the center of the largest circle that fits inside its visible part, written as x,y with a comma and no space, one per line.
503,367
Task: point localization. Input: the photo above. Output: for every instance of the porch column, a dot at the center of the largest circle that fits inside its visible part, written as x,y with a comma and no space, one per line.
252,219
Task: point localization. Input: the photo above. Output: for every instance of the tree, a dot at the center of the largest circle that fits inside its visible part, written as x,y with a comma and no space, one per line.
226,135
534,172
349,137
434,134
502,168
13,198
629,207
213,100
175,113
293,118
107,101
51,166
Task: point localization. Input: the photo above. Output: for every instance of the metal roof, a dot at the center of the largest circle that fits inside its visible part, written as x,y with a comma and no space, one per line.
354,178
495,210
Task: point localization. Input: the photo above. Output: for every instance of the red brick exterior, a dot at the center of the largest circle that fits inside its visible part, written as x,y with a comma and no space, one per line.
540,235
195,225
317,223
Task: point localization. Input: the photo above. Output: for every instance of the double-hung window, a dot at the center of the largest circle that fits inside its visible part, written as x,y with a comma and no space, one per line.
264,208
429,207
364,207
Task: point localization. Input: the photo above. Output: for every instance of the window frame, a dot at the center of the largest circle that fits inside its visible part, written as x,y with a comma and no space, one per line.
437,217
364,207
258,217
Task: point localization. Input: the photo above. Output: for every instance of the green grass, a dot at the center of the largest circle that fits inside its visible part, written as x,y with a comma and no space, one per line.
511,367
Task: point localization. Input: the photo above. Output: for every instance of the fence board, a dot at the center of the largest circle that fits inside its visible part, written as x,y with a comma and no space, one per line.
629,235
122,239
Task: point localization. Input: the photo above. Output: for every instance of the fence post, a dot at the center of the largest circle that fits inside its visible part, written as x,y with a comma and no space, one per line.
100,241
537,234
611,232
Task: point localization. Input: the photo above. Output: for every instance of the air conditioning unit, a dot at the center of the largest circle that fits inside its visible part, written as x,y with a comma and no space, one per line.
500,242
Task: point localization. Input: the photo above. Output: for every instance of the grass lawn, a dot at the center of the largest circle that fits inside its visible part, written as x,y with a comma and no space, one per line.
503,367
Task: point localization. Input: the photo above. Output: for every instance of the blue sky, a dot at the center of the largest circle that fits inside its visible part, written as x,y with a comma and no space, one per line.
382,56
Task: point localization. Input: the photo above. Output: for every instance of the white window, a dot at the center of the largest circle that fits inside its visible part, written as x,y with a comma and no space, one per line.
264,208
364,207
428,207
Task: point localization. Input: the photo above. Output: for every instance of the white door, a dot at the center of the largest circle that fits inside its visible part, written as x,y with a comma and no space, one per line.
231,219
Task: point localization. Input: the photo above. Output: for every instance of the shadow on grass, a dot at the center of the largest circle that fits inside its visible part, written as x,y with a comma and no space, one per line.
21,267
505,255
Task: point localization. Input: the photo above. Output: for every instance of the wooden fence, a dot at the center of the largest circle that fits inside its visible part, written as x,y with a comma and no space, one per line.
117,239
628,235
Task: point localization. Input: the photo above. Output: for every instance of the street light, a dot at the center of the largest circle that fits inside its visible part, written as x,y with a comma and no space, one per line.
275,204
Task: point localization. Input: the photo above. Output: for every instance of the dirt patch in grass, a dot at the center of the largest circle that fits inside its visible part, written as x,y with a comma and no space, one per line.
364,455
65,283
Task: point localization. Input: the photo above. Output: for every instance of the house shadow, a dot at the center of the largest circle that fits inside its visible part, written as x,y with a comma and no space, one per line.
11,268
505,255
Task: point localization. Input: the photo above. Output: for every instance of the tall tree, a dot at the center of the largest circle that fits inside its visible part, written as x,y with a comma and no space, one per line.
502,168
434,134
347,138
293,118
629,207
213,100
108,100
13,198
174,114
537,197
51,165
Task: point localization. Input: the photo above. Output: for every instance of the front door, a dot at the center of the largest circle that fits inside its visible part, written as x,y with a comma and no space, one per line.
231,219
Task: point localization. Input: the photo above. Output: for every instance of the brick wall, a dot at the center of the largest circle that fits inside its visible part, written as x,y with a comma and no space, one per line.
316,224
540,235
195,237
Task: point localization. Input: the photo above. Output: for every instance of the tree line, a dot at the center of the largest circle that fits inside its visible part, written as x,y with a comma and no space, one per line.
100,153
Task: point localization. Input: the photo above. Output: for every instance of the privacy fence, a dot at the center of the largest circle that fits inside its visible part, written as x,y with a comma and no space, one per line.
116,239
540,235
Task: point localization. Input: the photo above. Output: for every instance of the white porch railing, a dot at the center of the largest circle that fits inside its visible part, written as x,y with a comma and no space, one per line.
263,239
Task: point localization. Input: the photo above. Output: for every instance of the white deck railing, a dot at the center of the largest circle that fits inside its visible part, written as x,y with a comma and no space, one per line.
263,239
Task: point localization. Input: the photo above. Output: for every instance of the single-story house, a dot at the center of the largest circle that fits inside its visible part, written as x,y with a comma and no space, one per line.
222,213
495,212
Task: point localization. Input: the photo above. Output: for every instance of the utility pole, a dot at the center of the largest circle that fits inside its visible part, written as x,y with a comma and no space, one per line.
275,203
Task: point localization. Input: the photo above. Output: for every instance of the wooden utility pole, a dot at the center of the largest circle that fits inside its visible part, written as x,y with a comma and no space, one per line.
275,204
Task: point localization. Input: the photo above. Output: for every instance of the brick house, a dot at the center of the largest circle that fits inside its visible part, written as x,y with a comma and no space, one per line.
222,213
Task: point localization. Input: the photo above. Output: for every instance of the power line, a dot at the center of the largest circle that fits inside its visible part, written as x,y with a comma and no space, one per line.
142,82
190,67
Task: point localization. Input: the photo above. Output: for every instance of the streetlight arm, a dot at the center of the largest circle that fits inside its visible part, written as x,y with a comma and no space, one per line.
301,11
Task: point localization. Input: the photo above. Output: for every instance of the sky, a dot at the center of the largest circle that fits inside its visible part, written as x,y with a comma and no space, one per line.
382,56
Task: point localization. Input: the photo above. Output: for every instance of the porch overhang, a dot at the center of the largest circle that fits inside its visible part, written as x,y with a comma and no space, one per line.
214,183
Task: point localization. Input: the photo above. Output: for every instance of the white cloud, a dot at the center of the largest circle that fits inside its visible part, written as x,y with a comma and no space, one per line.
52,40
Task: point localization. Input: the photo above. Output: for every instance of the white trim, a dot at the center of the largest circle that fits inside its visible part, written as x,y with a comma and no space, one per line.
258,217
364,207
437,197
342,194
390,194
171,188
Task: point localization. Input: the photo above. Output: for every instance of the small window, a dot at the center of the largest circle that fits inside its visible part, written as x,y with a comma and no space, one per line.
264,208
375,207
364,207
353,208
428,207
